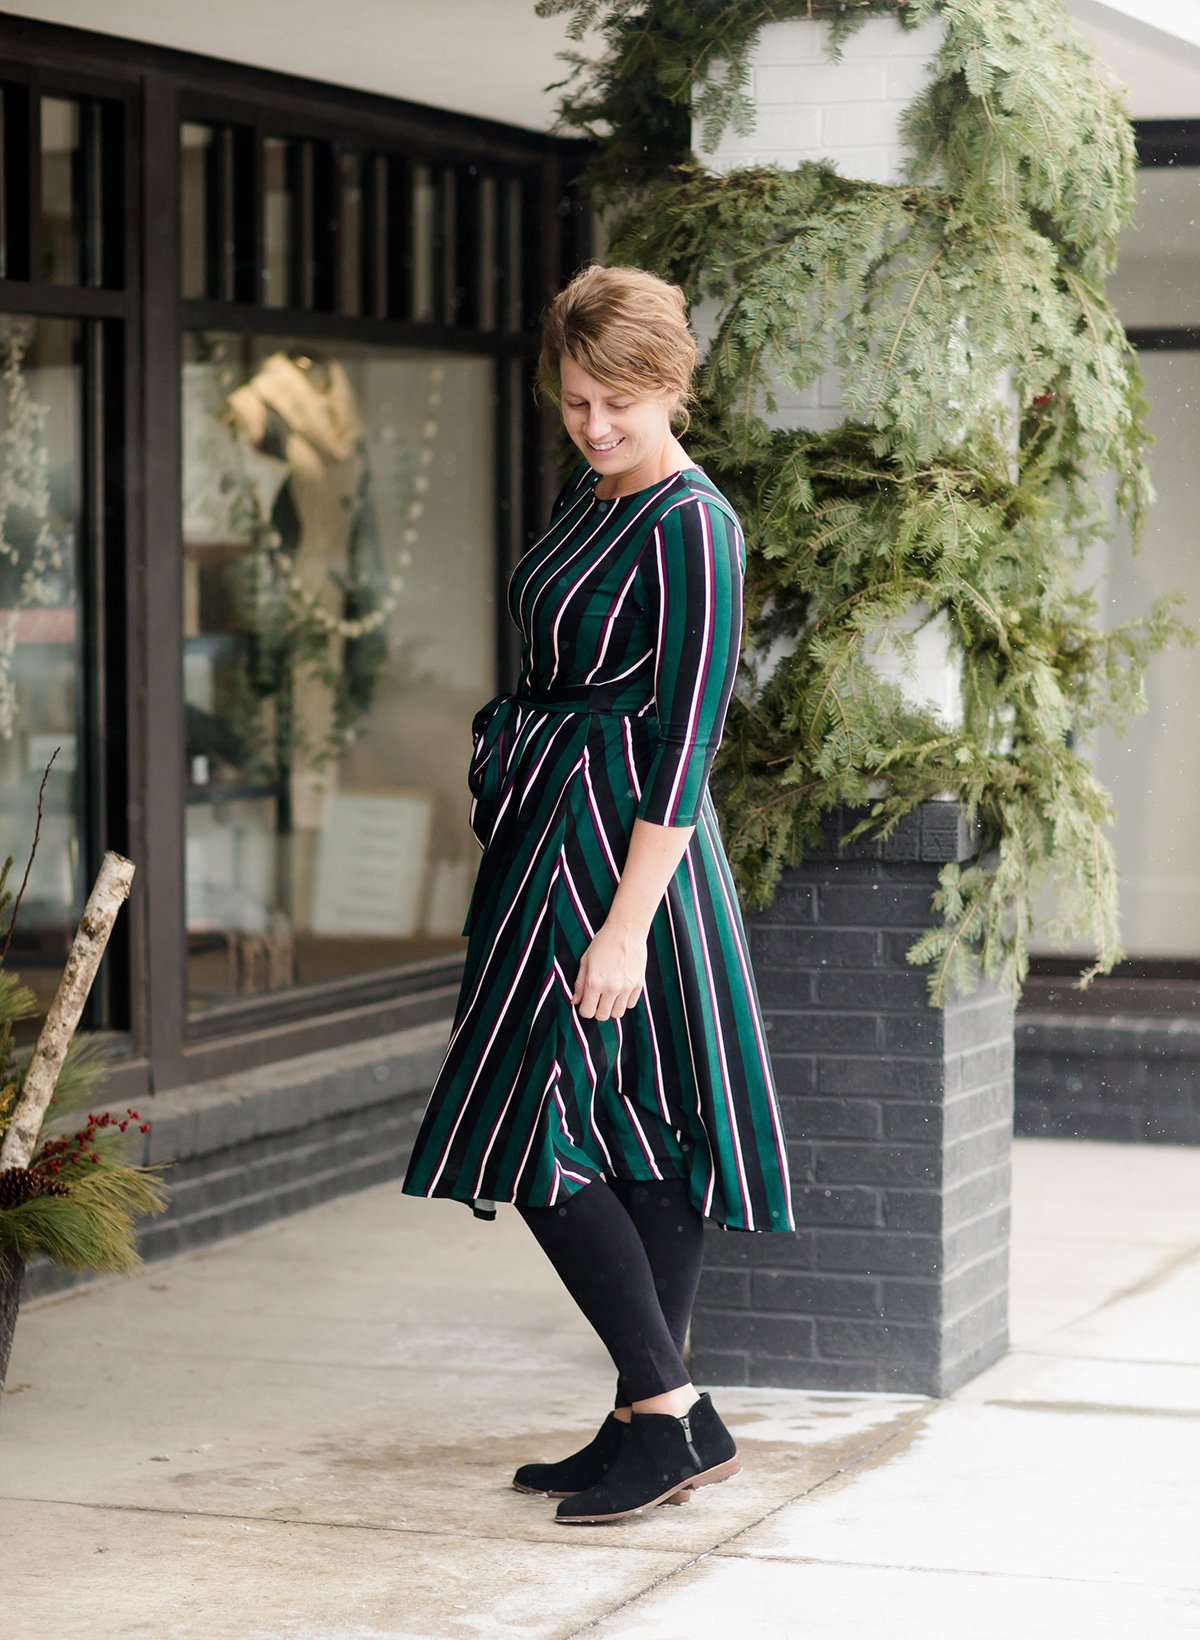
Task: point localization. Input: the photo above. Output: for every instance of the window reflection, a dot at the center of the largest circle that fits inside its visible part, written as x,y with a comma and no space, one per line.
1152,768
61,190
279,224
339,633
350,230
195,149
427,244
1154,285
40,636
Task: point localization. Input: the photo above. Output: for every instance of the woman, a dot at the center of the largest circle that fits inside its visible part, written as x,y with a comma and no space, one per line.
607,1070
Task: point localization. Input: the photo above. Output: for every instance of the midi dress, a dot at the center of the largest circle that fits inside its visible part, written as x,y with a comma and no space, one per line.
630,616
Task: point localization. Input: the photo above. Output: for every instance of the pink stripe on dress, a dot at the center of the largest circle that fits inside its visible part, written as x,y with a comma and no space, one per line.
726,1088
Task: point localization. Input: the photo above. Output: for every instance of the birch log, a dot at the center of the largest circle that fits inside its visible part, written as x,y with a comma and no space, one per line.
109,891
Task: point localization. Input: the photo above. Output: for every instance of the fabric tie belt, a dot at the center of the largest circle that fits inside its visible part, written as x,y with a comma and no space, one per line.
493,727
586,697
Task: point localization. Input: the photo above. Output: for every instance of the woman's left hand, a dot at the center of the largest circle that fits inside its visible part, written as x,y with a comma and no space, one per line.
612,972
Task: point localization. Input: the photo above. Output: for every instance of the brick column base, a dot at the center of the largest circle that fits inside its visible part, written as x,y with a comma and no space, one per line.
900,1122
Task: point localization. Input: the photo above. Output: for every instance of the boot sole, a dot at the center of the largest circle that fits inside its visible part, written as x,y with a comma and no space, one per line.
707,1477
541,1492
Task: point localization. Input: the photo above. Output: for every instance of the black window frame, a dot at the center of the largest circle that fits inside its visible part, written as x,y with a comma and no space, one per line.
156,1045
105,303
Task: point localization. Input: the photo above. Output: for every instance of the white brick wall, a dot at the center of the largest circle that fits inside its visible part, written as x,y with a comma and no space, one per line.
809,108
820,83
849,111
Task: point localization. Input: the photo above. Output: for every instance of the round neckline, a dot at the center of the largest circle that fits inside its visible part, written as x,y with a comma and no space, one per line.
632,495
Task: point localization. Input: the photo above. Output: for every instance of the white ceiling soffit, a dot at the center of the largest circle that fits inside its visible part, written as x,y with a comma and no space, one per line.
490,58
1169,20
494,57
1157,61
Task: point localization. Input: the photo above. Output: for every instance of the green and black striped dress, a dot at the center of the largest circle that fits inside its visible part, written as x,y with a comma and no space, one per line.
630,614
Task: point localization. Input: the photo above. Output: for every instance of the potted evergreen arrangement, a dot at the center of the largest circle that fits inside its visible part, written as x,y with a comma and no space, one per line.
71,1194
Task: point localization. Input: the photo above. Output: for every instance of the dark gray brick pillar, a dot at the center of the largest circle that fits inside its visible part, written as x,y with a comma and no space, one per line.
899,1118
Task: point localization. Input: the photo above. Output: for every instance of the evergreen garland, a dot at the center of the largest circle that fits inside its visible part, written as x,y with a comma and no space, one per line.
987,262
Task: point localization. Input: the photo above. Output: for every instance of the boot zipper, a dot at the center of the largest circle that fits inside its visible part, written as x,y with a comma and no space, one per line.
687,1435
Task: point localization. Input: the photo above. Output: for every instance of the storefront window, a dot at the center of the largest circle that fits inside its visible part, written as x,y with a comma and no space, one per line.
1154,285
41,424
343,292
339,629
1153,770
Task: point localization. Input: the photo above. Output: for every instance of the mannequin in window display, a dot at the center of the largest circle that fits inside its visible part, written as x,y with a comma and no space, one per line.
301,409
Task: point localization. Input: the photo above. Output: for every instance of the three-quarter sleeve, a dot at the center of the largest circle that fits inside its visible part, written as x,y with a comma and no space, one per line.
692,574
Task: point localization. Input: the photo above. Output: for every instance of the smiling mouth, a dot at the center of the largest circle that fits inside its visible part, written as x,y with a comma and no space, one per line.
605,449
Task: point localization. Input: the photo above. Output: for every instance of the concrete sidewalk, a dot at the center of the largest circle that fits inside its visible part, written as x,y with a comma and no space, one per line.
307,1433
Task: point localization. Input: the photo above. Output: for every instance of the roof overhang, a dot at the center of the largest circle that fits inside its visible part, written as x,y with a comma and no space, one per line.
1166,24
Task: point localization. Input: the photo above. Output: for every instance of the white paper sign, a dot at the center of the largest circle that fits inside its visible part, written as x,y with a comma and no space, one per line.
371,864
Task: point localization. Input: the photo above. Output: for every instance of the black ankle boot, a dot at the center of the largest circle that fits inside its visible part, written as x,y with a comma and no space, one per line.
582,1468
663,1459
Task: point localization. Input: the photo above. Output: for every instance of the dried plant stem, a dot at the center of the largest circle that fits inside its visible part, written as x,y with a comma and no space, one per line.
109,891
37,832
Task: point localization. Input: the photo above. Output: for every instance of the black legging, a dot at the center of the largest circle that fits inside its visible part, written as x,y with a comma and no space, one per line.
629,1252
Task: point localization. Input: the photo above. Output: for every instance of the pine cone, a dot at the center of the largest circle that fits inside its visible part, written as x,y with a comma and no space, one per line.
21,1184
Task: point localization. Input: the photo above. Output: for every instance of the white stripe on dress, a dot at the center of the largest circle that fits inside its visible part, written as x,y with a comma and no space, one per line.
733,912
726,1086
691,1039
508,1098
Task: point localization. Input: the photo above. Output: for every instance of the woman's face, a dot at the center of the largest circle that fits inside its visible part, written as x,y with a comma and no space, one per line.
617,431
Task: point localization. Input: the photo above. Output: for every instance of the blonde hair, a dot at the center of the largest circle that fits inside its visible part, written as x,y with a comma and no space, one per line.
627,328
